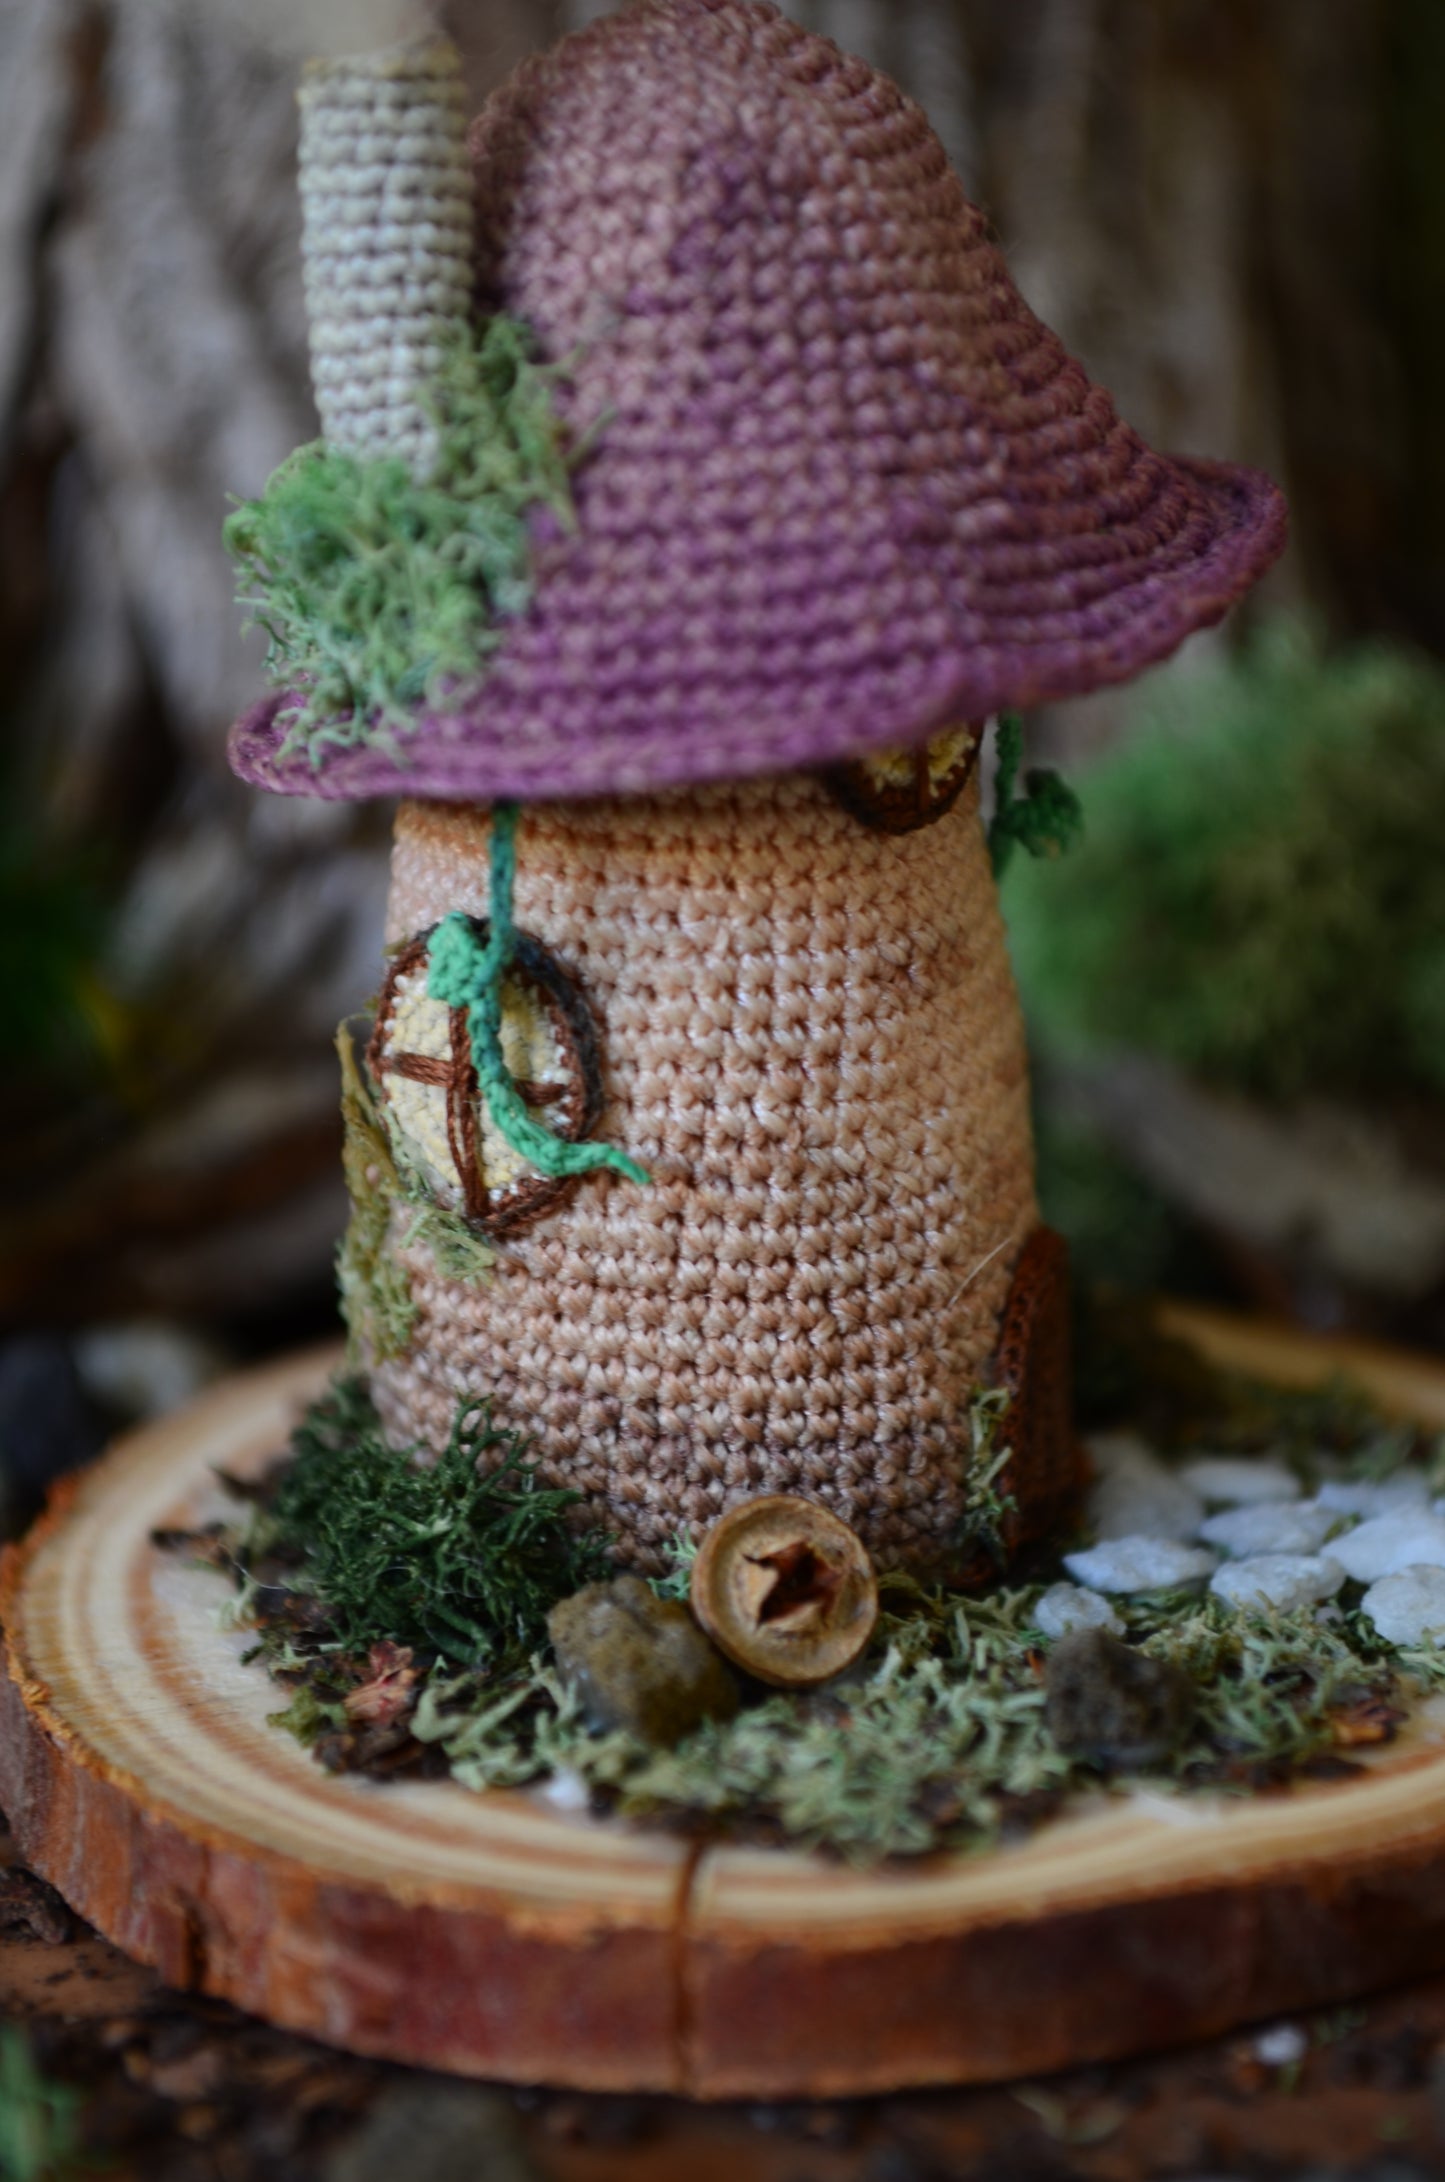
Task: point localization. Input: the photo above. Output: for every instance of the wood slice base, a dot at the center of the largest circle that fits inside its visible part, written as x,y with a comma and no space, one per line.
495,1936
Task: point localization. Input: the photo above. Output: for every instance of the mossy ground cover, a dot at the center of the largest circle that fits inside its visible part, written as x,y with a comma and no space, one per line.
403,1612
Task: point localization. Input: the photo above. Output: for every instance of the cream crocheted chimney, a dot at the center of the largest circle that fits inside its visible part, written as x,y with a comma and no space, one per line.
387,240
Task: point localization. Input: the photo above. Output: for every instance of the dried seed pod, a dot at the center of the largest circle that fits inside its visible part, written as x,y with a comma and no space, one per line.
785,1589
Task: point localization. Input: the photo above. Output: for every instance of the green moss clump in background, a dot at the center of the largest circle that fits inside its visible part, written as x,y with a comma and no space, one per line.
60,1021
377,590
462,1560
1123,1234
1260,898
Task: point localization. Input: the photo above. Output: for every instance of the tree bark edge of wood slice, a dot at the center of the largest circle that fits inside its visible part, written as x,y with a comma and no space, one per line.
492,1936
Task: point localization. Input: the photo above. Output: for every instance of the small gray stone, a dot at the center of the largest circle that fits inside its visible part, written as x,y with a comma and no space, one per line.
640,1662
1234,1480
1285,1580
433,2131
1409,1539
1271,1526
1388,1496
1065,1608
1138,1564
1408,1607
1114,1705
1136,1497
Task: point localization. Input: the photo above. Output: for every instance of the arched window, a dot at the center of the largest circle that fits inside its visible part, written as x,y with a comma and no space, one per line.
421,1059
897,791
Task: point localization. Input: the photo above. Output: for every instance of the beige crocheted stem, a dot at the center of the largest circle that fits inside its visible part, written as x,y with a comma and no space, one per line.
386,240
812,1042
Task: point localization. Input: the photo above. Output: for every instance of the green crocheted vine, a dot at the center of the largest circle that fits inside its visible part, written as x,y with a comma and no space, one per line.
1047,819
466,971
377,591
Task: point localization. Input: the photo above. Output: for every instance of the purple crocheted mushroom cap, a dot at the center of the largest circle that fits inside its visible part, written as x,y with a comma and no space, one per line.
845,486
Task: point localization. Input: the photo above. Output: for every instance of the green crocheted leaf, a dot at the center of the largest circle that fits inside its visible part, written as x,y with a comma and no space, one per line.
378,592
1046,820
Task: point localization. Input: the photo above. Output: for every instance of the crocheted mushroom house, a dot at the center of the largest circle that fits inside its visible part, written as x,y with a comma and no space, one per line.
672,594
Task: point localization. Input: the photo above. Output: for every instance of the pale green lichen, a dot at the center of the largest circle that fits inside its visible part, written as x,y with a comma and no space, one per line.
940,1739
392,1209
985,1509
380,592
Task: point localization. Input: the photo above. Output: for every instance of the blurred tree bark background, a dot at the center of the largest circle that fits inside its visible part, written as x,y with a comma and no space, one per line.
1231,209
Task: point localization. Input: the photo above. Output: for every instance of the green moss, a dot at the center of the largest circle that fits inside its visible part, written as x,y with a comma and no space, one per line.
378,591
376,1296
940,1740
462,1559
1261,896
308,1716
937,1738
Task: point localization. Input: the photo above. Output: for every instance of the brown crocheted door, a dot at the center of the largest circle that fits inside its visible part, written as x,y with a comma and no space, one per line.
897,791
1033,1361
1044,1472
421,1060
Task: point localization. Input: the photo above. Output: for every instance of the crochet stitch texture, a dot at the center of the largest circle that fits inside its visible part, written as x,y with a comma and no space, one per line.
846,487
812,1043
387,242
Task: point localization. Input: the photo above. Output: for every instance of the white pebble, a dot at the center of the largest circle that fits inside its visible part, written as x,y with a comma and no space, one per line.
1138,1564
1389,1496
1408,1607
567,1791
1278,1579
1064,1608
1281,2046
1390,1542
1271,1526
1118,1451
1238,1479
1136,1497
1141,1499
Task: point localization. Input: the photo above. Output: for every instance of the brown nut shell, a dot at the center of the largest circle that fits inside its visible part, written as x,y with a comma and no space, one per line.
785,1590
